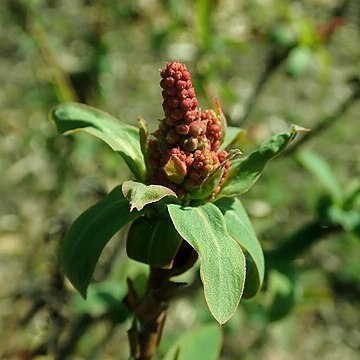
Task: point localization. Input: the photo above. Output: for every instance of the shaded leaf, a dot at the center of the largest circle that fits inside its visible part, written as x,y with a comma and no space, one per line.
244,172
88,235
153,241
283,287
222,263
122,138
240,228
203,343
140,194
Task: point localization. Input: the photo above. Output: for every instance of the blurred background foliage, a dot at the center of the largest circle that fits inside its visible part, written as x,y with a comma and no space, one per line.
271,63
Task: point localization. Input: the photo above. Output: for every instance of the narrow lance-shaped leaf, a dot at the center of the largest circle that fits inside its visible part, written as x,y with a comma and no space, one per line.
240,228
88,235
140,194
222,263
221,115
144,136
122,138
244,172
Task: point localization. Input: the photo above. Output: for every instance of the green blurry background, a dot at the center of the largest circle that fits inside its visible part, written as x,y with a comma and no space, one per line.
271,63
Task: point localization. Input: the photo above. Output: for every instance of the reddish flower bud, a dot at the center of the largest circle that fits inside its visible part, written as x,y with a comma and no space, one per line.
182,129
172,137
190,144
183,153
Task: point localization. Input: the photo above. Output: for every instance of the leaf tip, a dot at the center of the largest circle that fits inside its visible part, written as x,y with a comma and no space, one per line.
296,129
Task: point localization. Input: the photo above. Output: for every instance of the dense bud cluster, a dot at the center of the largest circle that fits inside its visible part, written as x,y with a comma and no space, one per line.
183,150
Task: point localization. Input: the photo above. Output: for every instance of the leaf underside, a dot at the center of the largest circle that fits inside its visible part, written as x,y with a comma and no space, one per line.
139,194
121,137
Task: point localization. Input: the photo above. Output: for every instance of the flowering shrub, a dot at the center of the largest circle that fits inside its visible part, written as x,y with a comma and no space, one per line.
182,205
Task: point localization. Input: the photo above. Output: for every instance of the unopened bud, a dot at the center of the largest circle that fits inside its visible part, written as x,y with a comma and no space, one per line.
190,144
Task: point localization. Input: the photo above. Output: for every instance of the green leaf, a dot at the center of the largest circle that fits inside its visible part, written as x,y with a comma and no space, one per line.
240,228
222,262
321,170
232,136
140,194
144,135
244,172
203,343
153,241
122,138
221,116
283,287
88,235
105,298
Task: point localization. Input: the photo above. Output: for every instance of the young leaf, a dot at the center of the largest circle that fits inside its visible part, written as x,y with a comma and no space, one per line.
144,136
203,343
140,194
122,138
153,241
239,227
222,263
88,235
321,170
221,115
232,136
244,172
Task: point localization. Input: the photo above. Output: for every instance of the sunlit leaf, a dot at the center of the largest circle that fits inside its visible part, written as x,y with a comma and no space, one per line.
139,194
122,138
239,227
232,137
244,172
222,262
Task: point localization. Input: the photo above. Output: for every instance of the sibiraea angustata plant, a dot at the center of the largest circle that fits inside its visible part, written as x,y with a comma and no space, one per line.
182,204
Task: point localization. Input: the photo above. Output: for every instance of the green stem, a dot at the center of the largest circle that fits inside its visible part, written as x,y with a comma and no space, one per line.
150,311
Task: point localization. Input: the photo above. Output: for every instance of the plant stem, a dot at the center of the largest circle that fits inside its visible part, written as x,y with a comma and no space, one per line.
150,312
149,315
